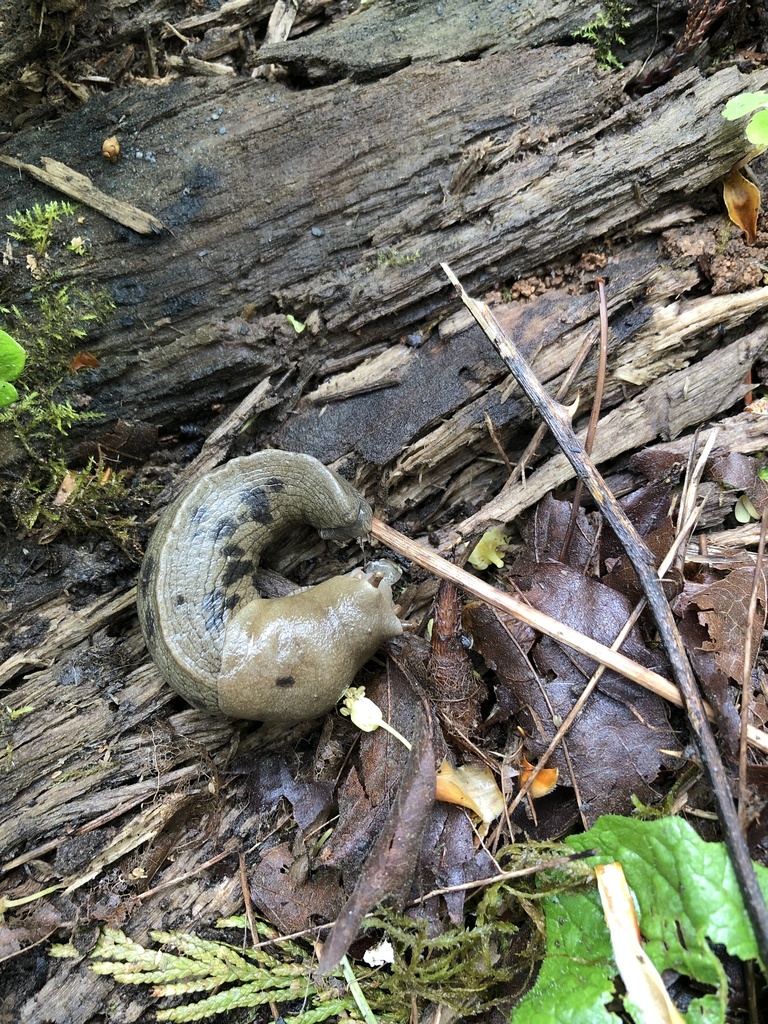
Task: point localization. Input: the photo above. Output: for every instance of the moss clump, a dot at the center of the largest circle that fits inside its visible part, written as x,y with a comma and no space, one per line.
395,258
46,494
604,32
35,226
470,967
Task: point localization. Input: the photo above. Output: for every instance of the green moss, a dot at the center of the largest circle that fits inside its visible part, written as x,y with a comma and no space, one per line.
93,501
48,495
604,32
394,258
469,968
14,713
78,773
35,226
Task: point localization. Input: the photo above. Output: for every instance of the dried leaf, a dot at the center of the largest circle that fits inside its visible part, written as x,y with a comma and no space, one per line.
393,859
269,779
472,786
544,782
723,608
742,473
287,896
83,360
742,200
66,487
369,788
619,716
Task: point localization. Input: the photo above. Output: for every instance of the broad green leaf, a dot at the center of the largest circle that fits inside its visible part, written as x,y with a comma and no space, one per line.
757,129
739,106
12,358
576,978
687,899
8,394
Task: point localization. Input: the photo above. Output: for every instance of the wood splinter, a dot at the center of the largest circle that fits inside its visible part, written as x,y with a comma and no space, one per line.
80,187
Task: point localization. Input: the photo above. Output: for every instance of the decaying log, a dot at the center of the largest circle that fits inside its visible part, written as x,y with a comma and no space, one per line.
336,204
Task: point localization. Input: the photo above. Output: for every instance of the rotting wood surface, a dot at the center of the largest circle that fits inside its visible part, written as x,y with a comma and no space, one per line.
283,201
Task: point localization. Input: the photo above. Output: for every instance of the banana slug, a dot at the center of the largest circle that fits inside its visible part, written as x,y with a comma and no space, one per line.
213,638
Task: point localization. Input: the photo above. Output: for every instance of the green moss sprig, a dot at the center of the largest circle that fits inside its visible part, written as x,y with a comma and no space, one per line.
35,226
604,32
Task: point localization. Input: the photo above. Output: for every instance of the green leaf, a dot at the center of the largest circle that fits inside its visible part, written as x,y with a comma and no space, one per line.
739,106
757,129
12,357
8,394
297,325
687,897
576,978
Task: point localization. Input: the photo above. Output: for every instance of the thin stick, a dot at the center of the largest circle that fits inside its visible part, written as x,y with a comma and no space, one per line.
620,663
533,445
559,423
506,876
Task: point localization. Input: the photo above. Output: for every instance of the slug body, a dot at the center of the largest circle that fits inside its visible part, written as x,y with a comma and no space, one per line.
213,638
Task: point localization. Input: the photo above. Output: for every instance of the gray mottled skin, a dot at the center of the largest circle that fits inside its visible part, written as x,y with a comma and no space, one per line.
213,638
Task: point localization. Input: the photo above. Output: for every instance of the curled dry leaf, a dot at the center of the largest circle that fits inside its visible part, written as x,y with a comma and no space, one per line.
742,200
82,360
472,786
66,487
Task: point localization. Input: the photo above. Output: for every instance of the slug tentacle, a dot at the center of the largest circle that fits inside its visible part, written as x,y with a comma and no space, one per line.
213,638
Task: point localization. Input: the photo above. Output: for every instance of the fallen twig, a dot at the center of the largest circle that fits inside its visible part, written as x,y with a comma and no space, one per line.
758,584
559,423
594,415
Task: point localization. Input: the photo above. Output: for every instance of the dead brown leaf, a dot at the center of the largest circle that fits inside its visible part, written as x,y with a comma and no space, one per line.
270,779
741,473
742,201
545,533
366,793
714,683
615,744
450,857
83,360
287,895
723,607
391,865
26,928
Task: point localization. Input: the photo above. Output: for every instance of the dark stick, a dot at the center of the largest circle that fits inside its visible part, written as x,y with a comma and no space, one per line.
558,421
